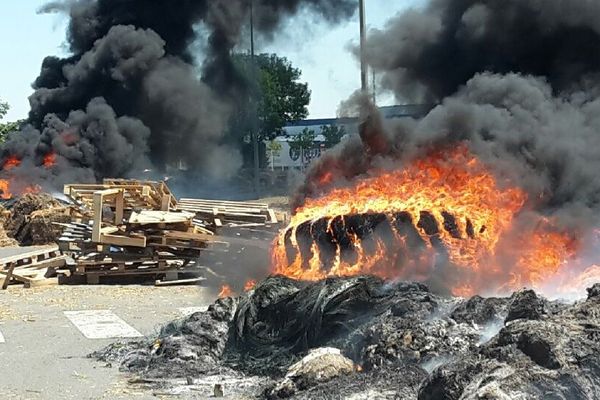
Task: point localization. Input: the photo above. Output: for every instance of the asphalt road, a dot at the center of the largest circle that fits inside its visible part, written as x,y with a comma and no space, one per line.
43,353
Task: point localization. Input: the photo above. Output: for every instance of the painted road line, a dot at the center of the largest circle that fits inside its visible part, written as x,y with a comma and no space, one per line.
187,311
101,324
1,338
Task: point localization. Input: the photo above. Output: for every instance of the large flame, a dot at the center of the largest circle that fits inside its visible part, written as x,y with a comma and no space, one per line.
11,185
473,245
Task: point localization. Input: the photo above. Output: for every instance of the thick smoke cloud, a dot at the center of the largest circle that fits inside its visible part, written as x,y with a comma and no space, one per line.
129,96
517,80
427,55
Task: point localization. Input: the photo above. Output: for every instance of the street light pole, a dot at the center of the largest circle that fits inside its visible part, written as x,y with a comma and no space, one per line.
254,110
363,44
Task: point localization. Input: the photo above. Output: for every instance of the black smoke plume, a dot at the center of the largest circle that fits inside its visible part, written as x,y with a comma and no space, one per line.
517,80
129,97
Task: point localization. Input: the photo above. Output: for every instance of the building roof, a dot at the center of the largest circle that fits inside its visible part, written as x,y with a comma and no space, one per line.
398,111
322,121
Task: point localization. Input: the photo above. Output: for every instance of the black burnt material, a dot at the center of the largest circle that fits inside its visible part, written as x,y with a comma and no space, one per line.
410,343
397,235
304,240
325,241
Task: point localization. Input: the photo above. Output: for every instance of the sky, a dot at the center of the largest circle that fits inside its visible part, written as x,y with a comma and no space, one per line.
322,54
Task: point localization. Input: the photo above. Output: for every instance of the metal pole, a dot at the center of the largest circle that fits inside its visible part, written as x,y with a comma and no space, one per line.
373,86
363,44
254,107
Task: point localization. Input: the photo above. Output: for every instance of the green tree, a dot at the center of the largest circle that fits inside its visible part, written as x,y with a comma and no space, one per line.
273,150
304,140
6,127
4,107
302,144
333,134
274,91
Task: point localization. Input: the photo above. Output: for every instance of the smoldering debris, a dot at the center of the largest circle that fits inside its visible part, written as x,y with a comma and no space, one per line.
404,340
30,219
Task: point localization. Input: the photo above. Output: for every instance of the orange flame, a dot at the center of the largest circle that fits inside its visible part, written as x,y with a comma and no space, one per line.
7,186
10,163
474,213
32,189
49,160
225,291
5,189
249,285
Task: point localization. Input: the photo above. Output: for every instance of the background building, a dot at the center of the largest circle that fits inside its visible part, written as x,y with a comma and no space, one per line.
282,154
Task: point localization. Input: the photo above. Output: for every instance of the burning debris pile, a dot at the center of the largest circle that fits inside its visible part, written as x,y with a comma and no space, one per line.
30,219
33,218
403,341
446,208
496,187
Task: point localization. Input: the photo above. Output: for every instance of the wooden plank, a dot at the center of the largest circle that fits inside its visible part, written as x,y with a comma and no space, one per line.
28,254
97,228
145,217
188,236
178,282
165,202
119,207
272,216
11,268
123,240
107,230
55,262
233,203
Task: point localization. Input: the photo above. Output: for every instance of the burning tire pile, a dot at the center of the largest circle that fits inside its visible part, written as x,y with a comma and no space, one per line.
403,341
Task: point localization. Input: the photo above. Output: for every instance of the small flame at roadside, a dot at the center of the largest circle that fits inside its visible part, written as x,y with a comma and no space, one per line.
225,291
249,285
5,189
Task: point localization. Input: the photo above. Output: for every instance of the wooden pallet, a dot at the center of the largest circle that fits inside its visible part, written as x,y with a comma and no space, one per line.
146,195
93,271
31,267
229,211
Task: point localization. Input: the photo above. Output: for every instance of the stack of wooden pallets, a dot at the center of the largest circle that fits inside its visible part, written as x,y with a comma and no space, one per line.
129,227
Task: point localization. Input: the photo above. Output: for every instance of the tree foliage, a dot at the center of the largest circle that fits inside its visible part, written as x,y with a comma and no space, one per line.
333,134
275,93
304,140
4,107
6,127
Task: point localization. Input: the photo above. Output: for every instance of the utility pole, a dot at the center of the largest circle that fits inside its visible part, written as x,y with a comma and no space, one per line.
363,44
254,110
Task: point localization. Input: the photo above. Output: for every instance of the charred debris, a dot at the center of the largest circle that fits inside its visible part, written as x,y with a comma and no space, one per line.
364,337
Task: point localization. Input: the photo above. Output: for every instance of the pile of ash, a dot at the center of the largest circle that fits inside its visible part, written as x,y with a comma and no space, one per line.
381,339
28,220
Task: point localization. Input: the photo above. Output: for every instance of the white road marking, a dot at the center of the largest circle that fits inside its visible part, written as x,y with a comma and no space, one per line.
187,311
101,324
1,338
